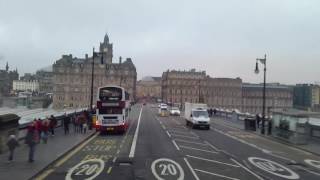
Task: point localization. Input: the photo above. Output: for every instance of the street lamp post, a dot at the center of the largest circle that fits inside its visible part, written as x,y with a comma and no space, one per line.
92,71
94,55
264,62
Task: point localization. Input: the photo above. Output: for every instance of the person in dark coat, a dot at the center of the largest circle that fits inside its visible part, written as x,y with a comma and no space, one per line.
12,144
52,124
31,139
258,120
66,123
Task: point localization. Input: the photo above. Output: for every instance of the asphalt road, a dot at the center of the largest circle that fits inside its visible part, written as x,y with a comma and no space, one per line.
164,148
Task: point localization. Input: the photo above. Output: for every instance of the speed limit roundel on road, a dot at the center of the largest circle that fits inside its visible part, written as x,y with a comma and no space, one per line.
88,170
165,168
273,168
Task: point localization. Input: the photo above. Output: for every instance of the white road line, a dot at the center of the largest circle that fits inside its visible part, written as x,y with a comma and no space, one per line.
114,159
252,145
135,138
175,144
180,132
168,134
212,146
257,176
191,137
191,169
187,147
214,174
190,142
214,161
163,127
179,129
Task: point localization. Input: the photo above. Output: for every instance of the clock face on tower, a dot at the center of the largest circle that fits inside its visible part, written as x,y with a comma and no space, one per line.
105,49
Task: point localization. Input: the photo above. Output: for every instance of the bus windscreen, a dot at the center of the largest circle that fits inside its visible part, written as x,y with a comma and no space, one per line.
110,94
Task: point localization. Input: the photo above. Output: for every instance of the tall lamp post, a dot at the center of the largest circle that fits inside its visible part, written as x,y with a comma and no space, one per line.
94,55
264,62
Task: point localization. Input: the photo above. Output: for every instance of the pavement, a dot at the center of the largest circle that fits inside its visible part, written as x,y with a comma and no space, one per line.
165,148
45,154
312,146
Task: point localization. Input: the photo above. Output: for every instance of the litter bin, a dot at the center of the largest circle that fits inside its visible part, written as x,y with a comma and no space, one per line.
9,124
250,124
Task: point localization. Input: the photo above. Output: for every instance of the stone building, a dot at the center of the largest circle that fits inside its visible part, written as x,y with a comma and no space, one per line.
277,97
224,93
72,76
25,85
179,87
6,79
149,87
45,78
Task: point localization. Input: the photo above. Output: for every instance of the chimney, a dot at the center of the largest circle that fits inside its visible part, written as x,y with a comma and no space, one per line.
86,56
120,60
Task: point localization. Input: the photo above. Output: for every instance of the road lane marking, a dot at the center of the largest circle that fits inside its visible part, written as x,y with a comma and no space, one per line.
313,163
44,174
212,146
180,132
109,170
187,147
175,144
191,137
214,174
72,153
168,134
292,148
248,170
88,169
135,138
273,168
191,169
191,142
214,161
253,146
164,167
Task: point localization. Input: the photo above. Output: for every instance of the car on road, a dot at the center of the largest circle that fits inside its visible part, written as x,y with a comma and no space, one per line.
175,111
196,115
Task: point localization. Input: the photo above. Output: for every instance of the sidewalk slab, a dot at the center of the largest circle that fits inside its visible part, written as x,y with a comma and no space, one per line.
311,147
45,154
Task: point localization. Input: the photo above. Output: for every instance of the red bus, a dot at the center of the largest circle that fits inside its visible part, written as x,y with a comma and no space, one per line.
113,108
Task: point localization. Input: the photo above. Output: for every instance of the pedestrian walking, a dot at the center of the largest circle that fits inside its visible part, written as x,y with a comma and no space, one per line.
12,143
39,126
74,122
258,120
45,131
31,140
53,124
66,123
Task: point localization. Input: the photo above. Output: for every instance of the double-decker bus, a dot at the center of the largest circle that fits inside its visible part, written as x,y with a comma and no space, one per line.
112,110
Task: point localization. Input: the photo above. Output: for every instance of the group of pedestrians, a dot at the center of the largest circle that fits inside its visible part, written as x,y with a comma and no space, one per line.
39,130
80,122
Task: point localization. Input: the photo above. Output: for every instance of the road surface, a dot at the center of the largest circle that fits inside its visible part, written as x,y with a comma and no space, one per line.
165,148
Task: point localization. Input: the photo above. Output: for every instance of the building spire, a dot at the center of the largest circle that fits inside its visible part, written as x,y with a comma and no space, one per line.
106,39
7,67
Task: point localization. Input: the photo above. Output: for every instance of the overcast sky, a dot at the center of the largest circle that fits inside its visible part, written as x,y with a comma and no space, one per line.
221,37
